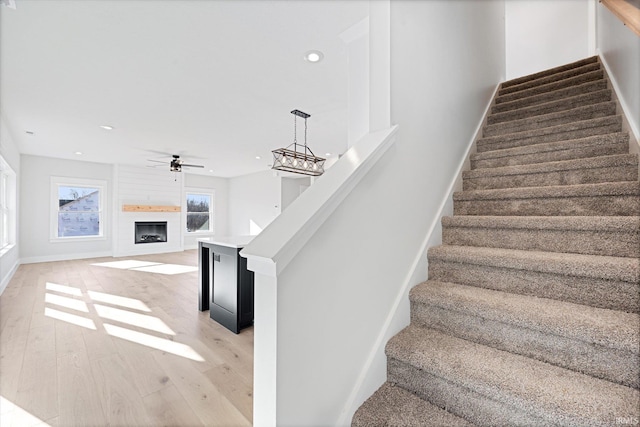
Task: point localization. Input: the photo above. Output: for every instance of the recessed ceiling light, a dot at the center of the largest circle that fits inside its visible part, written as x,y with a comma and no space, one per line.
210,170
106,127
258,157
79,153
313,56
327,154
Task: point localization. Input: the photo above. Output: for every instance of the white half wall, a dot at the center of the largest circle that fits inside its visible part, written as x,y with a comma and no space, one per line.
292,188
254,201
619,47
542,34
10,257
362,257
34,199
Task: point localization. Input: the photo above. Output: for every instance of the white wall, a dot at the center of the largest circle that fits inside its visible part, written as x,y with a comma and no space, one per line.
542,34
619,47
220,188
35,187
291,188
10,259
329,322
254,201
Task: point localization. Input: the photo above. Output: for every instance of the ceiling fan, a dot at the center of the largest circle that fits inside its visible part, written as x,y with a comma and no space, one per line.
175,165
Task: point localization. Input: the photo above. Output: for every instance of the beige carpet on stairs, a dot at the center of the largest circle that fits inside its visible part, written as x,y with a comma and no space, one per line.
530,316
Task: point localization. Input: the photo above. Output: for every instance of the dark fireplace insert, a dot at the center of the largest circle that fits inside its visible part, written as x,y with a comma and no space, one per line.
150,232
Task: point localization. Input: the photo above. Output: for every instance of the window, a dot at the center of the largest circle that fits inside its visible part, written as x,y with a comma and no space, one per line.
199,212
7,205
77,208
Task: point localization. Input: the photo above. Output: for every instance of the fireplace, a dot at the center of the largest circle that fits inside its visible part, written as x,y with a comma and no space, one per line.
150,232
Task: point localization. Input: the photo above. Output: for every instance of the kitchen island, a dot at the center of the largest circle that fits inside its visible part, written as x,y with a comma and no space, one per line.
226,286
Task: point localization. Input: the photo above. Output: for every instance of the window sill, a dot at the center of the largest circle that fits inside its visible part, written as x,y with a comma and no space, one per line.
76,239
6,249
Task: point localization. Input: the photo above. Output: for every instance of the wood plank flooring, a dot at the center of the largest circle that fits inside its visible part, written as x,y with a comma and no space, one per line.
84,344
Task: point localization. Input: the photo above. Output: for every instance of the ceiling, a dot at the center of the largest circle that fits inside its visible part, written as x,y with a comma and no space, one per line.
211,80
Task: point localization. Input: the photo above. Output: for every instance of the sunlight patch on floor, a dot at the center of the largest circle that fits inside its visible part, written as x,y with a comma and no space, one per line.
132,303
73,304
135,319
169,269
121,315
70,318
69,290
163,344
13,415
126,264
148,267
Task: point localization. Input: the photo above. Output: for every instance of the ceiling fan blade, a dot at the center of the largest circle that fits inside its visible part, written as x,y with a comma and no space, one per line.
191,166
156,161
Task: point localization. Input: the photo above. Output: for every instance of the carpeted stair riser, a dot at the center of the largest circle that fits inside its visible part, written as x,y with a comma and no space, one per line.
490,387
560,94
550,87
605,199
552,119
556,77
551,107
593,146
608,236
394,406
596,291
568,131
551,71
622,167
597,342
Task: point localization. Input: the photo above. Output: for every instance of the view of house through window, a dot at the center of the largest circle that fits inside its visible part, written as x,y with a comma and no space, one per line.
199,212
79,211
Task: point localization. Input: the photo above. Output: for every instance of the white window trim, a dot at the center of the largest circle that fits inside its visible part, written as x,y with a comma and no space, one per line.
8,207
212,219
57,181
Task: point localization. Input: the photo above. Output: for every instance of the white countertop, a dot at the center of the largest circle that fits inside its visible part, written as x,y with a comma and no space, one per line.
228,241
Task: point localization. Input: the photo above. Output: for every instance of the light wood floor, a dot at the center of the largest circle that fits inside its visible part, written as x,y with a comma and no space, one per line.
89,345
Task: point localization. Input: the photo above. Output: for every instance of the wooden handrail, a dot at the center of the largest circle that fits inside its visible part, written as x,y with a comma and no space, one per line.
626,12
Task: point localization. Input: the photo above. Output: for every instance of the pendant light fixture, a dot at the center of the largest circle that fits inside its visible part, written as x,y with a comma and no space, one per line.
303,161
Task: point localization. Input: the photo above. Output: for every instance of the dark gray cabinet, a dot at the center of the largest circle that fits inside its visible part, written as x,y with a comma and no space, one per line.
226,286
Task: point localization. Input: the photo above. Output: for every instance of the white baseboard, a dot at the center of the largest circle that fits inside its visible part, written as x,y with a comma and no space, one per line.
417,273
64,257
7,277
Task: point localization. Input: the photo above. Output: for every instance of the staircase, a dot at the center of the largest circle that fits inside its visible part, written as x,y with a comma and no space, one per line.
530,314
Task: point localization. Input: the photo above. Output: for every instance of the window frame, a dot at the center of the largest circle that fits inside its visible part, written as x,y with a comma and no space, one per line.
8,206
56,183
200,192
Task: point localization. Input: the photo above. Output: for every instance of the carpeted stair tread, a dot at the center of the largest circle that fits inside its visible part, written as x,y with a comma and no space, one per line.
563,104
616,168
590,235
493,387
561,75
393,406
555,70
597,342
579,113
563,132
550,87
592,266
592,146
593,86
607,328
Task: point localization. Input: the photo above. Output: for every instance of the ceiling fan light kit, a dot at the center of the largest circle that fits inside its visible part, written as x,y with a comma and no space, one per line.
301,161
